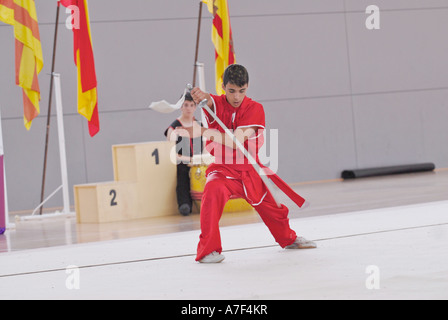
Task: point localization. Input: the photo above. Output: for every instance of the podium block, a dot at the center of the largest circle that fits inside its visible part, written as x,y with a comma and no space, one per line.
145,184
106,202
149,165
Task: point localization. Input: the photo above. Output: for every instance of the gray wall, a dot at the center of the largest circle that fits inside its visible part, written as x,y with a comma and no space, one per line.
341,96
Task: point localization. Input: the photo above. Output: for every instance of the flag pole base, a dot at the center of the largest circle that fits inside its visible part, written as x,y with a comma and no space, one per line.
55,215
65,213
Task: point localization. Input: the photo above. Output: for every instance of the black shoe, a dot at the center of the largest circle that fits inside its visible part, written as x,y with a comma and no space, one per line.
185,209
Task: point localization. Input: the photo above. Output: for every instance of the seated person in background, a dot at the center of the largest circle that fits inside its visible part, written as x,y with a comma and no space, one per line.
186,148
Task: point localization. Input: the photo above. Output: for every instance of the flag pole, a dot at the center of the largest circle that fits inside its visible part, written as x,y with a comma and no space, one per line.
4,221
197,43
50,100
62,149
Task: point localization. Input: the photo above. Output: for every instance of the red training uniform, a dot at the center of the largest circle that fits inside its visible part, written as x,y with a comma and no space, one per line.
232,176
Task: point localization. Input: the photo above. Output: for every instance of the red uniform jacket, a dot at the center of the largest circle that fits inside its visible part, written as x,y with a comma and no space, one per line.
231,162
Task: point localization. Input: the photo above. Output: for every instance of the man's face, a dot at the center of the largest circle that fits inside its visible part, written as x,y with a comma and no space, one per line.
234,94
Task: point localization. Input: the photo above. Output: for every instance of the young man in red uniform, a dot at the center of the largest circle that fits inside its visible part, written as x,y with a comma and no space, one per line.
232,175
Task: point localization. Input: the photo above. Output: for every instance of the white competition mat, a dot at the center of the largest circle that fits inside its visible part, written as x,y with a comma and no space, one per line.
391,253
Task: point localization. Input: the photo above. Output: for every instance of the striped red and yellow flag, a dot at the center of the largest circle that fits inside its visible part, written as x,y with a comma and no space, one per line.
84,60
7,11
29,59
222,39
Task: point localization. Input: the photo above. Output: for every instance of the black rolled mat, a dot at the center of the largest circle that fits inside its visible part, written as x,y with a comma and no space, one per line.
382,171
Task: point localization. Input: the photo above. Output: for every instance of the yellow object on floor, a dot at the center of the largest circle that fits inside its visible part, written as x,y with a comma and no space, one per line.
197,185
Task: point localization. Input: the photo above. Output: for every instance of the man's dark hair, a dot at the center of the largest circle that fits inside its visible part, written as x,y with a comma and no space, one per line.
237,75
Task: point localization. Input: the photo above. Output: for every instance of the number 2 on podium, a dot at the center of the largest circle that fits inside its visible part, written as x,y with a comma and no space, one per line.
113,193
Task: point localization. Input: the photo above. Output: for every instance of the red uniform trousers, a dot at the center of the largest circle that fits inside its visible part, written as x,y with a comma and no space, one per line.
218,190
